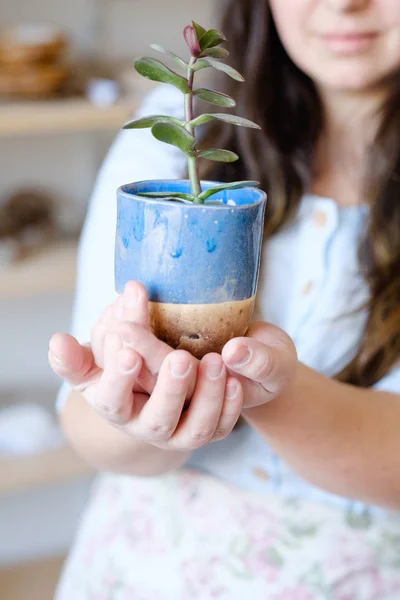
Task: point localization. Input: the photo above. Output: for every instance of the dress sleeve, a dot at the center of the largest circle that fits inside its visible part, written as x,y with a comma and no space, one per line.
134,156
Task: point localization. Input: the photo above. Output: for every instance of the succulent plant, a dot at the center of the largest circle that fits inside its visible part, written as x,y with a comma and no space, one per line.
206,51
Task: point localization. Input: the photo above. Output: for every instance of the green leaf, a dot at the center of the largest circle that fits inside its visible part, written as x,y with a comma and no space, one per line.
213,97
167,195
211,38
227,186
156,71
200,31
176,135
162,50
199,64
150,121
218,155
232,119
220,66
216,52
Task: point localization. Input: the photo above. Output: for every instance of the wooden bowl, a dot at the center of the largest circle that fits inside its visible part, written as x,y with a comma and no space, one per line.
31,43
32,81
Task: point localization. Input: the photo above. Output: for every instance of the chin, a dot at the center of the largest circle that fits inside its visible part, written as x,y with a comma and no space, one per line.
350,82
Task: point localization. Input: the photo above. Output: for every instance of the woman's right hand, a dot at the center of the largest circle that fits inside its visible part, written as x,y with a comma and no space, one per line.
141,385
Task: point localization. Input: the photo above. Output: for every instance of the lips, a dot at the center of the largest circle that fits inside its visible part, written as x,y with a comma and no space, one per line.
348,43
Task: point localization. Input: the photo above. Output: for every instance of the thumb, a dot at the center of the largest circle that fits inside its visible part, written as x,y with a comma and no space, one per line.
72,361
266,356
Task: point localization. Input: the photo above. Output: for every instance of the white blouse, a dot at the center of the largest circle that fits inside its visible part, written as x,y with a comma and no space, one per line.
310,286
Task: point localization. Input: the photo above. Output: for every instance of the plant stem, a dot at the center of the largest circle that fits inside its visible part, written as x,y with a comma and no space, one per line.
193,167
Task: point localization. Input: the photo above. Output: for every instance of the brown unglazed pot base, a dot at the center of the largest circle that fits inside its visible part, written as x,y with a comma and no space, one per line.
200,328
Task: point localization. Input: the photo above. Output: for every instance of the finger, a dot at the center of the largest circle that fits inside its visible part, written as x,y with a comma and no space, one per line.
267,356
142,340
160,415
103,326
113,397
134,305
98,334
231,410
200,421
71,360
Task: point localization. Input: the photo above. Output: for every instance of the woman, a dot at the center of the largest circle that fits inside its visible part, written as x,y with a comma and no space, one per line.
301,501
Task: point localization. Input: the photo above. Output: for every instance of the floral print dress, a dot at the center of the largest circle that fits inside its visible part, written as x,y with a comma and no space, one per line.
188,536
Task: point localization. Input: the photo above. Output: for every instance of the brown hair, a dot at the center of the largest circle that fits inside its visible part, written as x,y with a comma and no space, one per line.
284,101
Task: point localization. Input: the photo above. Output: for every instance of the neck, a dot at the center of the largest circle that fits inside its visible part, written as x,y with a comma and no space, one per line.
350,125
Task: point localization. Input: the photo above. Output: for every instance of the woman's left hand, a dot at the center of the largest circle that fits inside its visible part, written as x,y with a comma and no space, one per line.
266,360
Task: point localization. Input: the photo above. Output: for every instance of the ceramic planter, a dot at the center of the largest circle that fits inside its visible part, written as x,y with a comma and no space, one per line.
199,262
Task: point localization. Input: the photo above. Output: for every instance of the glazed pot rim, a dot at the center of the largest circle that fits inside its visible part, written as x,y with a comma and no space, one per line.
122,191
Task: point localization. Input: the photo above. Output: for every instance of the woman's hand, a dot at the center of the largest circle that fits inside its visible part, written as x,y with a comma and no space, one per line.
265,361
140,385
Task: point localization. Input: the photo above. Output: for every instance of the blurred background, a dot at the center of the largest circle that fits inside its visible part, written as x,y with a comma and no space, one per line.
66,87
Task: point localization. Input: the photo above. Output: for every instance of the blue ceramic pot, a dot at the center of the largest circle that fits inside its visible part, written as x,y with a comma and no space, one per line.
199,262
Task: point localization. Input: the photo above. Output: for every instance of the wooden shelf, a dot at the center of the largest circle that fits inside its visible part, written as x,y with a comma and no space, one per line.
47,468
63,116
51,269
34,580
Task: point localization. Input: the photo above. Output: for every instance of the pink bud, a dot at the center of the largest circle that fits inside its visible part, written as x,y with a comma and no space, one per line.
191,40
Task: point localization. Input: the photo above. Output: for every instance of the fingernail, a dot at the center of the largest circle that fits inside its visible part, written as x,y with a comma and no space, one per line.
214,370
131,297
118,307
241,357
126,365
180,370
55,358
231,391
